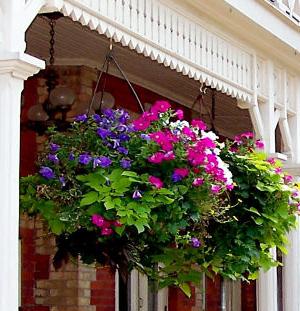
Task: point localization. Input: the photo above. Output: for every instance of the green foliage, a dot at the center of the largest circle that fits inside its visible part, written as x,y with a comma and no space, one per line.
111,213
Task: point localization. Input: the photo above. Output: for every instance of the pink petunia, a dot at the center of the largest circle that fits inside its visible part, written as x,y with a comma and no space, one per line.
157,158
141,124
156,182
198,182
189,133
287,179
215,189
247,135
278,170
199,124
179,114
169,156
272,161
106,231
259,144
117,223
182,172
229,187
98,220
160,106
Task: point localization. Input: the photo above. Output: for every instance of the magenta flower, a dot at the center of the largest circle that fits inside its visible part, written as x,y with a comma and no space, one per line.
141,124
169,156
215,189
106,231
156,182
247,135
229,187
160,106
179,114
259,144
183,172
98,220
198,182
287,179
199,124
189,133
117,223
272,161
278,170
157,158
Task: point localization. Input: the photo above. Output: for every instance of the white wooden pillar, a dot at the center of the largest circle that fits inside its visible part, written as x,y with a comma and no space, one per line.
291,268
267,282
15,67
291,272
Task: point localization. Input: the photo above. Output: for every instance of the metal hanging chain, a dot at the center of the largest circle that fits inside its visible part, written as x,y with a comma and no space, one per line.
200,99
108,59
52,24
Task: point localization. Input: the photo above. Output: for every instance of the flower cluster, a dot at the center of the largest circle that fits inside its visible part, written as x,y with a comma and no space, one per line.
135,193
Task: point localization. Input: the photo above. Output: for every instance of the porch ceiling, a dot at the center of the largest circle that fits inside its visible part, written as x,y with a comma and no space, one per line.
78,45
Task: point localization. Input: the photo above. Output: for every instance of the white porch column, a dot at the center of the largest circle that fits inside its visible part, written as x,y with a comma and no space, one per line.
267,282
15,67
291,272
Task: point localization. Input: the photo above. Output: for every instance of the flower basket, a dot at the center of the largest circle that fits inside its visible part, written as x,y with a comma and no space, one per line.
161,190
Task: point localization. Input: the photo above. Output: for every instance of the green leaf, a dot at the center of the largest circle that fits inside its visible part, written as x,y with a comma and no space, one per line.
254,210
56,226
89,198
129,174
186,289
109,204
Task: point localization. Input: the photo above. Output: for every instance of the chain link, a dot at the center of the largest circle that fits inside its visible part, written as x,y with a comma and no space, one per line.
52,41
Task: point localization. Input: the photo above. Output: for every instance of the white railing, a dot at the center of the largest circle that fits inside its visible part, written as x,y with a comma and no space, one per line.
290,8
172,33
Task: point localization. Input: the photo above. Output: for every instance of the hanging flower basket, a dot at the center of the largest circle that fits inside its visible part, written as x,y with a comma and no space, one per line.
161,192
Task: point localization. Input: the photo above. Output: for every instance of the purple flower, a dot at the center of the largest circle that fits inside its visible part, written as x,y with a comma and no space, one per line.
125,163
122,128
85,159
53,158
47,172
103,133
97,118
176,177
123,150
137,195
116,143
124,137
62,180
54,147
71,156
124,117
109,113
104,161
145,136
195,243
81,118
